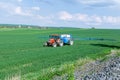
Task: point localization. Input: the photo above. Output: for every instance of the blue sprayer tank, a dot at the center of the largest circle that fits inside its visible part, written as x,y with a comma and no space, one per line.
66,38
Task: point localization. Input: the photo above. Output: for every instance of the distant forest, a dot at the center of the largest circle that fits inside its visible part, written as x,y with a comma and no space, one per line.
30,26
20,26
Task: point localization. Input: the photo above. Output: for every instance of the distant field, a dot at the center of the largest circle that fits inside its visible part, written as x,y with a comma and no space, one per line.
22,52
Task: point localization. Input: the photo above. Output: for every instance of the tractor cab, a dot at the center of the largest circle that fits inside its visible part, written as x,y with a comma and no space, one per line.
54,36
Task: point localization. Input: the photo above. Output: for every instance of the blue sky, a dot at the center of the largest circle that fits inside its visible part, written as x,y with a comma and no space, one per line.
62,13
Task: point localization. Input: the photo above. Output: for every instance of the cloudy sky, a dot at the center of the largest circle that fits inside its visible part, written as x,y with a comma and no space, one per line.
62,13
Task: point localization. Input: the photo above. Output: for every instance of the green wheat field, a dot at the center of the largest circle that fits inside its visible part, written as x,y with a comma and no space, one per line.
23,56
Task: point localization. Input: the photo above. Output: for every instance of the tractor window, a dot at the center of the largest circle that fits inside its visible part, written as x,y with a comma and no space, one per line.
54,37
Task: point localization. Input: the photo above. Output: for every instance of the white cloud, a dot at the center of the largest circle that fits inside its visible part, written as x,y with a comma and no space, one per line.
13,9
96,19
87,19
65,15
111,19
18,11
80,17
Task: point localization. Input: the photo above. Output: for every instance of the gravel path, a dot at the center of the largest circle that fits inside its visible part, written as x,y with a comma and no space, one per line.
100,70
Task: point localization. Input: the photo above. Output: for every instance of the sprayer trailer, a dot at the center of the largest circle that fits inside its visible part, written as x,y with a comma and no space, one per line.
59,40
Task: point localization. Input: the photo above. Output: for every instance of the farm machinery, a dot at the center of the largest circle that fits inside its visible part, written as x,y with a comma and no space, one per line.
59,40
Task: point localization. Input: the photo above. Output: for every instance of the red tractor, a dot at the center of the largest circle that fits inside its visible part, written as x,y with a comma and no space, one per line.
59,40
54,40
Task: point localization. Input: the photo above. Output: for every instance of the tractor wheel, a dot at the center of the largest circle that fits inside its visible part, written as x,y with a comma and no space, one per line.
54,45
71,43
61,44
45,44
